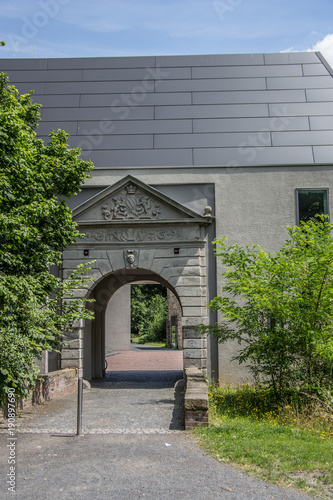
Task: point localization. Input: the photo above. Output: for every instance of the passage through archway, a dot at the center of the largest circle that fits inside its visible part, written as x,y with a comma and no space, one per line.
111,323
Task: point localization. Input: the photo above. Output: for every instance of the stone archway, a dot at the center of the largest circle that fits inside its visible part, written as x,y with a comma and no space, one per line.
94,338
135,232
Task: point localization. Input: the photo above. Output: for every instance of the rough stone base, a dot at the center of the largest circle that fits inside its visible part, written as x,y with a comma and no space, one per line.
196,399
196,418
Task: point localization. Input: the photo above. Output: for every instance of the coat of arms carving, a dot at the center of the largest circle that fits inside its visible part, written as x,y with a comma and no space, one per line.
131,204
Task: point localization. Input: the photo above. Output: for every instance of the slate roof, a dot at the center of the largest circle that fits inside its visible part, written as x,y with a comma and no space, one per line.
205,110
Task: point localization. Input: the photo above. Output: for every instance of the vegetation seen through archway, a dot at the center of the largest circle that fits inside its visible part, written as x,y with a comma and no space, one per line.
149,313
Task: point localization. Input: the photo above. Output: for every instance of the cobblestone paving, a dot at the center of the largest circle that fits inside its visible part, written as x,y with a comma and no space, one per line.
136,401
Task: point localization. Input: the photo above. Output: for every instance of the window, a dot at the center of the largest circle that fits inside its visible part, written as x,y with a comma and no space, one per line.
311,202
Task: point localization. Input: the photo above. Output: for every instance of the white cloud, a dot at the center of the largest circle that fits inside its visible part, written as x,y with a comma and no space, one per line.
325,46
286,51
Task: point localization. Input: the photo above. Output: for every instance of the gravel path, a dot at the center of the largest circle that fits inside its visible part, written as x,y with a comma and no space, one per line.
133,448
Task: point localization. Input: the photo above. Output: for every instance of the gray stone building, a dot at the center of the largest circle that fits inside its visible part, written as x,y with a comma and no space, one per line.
186,148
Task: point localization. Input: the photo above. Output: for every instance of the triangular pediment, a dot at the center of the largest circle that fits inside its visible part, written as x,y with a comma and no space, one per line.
131,201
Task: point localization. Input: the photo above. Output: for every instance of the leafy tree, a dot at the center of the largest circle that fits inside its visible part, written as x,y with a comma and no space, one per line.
35,225
149,312
279,307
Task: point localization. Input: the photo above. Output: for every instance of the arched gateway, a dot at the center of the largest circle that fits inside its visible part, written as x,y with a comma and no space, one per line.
136,233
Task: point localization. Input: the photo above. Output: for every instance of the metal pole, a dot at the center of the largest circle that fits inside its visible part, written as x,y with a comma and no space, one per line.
79,405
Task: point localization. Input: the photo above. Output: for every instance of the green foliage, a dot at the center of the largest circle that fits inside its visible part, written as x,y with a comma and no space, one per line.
279,307
35,225
149,312
287,444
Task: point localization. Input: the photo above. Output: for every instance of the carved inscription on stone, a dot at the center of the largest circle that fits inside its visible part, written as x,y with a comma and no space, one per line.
132,235
131,204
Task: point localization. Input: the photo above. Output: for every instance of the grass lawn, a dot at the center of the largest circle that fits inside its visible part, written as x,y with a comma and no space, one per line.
284,445
135,340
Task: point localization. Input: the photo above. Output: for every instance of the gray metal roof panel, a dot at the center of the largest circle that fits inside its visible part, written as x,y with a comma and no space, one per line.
100,62
45,76
142,158
310,138
323,154
139,99
101,142
248,71
111,113
218,140
301,109
211,60
319,95
144,73
291,58
95,87
210,85
186,110
211,111
321,122
28,64
308,82
249,96
59,101
314,70
253,156
134,127
45,127
250,124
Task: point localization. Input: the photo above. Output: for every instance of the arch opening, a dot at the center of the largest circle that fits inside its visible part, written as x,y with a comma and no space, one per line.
111,324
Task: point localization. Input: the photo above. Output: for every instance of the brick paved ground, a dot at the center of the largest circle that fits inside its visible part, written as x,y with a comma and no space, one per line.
145,358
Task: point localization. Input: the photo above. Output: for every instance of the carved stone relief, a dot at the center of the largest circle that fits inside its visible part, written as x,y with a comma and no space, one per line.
131,259
131,204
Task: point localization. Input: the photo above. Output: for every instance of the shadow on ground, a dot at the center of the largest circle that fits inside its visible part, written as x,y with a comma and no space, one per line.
148,379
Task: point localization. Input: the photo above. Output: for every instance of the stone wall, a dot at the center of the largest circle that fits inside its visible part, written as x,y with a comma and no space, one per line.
53,385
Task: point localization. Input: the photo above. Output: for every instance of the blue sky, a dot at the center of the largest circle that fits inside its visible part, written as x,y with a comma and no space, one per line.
78,28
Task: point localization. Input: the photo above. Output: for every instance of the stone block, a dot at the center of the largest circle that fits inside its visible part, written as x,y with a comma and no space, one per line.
190,281
70,254
193,252
158,265
67,272
198,343
71,263
185,291
198,363
68,354
193,311
75,344
195,321
146,258
80,293
104,266
190,332
78,324
192,271
116,259
195,353
196,301
70,363
169,272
